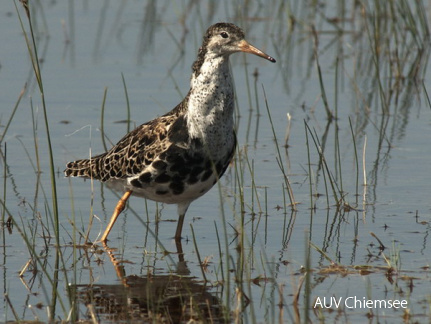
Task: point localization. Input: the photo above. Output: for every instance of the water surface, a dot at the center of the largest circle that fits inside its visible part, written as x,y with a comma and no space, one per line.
86,47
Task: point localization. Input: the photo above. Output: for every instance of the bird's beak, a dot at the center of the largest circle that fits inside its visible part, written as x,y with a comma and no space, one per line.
245,47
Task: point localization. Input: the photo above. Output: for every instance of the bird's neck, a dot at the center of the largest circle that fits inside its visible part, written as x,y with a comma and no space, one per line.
211,101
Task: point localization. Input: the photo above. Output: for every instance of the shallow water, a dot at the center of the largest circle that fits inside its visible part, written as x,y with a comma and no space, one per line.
86,47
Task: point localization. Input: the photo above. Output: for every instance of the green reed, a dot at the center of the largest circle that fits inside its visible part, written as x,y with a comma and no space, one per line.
310,173
15,108
198,253
34,59
327,174
52,212
329,114
355,151
102,119
3,154
279,158
224,265
126,95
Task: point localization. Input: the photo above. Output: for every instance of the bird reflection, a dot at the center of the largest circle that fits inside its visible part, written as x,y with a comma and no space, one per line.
166,298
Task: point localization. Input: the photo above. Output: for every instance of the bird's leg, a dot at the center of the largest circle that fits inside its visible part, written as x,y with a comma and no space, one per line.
179,227
182,209
118,209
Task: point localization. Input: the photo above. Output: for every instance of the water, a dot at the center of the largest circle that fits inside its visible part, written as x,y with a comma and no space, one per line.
86,47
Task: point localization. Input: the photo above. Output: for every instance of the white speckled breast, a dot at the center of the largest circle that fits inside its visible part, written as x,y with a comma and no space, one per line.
210,107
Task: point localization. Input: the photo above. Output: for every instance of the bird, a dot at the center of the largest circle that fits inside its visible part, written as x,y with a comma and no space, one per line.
179,156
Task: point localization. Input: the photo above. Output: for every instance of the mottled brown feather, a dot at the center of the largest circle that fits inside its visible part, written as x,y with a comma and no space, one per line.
132,154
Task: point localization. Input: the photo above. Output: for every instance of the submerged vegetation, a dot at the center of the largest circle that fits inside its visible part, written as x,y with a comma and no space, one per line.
299,214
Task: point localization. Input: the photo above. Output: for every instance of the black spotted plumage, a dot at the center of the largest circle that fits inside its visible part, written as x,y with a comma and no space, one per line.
132,153
179,156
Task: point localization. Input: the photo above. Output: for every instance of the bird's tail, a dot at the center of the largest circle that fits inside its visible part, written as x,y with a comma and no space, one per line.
85,168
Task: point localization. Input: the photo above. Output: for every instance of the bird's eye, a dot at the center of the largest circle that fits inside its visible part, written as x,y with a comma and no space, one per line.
224,35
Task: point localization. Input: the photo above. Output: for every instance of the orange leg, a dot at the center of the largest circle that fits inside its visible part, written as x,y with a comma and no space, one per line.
118,209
